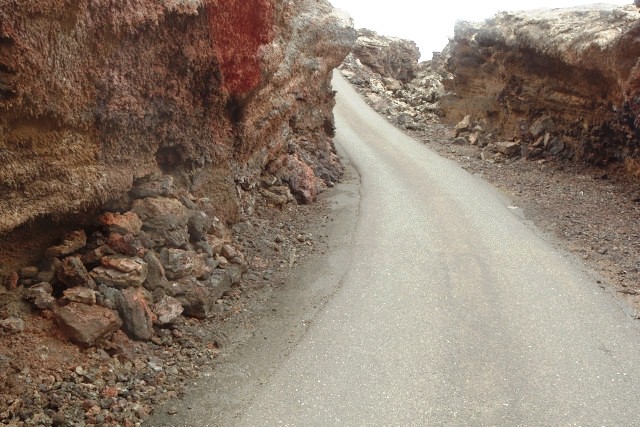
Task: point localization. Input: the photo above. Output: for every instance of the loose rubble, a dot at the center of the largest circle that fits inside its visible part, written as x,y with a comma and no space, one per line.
121,346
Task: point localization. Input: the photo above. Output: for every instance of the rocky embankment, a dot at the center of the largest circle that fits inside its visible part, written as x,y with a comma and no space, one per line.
560,81
133,136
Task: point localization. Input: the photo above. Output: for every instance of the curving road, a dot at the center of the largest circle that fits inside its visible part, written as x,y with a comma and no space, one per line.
452,310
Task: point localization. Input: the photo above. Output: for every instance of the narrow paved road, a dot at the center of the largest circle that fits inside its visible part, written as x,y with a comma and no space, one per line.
453,311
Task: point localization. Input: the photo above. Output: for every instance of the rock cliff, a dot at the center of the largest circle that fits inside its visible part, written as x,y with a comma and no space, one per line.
388,56
99,96
565,81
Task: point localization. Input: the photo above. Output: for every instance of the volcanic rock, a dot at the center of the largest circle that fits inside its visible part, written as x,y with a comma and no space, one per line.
137,317
389,57
71,242
73,273
167,310
121,272
571,73
87,325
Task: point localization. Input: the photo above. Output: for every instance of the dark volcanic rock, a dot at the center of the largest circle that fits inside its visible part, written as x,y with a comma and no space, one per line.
137,317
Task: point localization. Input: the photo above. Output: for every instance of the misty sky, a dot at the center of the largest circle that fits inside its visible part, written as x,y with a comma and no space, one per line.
430,24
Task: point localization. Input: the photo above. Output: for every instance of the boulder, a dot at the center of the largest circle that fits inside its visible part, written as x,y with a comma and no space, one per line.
73,273
137,317
198,225
164,220
167,310
155,275
126,223
80,295
178,263
87,325
41,295
126,244
71,242
121,271
196,298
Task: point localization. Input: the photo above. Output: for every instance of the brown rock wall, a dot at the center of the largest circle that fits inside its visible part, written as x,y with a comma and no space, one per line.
578,66
97,95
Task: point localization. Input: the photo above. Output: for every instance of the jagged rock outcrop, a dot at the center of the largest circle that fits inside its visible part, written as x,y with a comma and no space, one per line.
563,80
388,56
95,96
386,70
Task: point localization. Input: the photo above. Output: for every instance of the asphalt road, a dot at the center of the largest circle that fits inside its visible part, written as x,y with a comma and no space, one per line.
451,309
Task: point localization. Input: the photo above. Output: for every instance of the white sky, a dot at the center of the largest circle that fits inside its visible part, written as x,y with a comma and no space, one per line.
430,24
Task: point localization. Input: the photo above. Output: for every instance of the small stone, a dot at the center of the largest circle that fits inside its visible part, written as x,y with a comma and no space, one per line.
556,146
71,242
167,310
41,295
463,125
12,325
28,272
509,149
80,295
121,271
459,141
11,280
73,273
543,124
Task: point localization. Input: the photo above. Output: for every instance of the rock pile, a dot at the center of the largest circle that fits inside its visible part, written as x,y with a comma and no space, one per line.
160,253
386,71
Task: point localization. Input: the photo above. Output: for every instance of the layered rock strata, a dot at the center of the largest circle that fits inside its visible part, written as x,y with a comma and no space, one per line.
132,134
565,82
95,96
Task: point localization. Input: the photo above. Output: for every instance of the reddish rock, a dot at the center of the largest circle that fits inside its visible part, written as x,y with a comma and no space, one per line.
121,272
11,281
126,223
126,244
87,325
73,273
238,30
71,242
302,180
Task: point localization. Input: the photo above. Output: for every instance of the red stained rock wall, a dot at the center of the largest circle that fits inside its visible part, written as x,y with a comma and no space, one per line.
239,28
95,95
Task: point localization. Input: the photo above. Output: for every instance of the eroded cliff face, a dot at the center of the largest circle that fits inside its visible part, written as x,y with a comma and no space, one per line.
565,80
388,56
96,96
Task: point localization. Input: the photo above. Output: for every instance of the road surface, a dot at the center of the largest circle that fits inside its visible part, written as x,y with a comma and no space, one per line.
448,309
